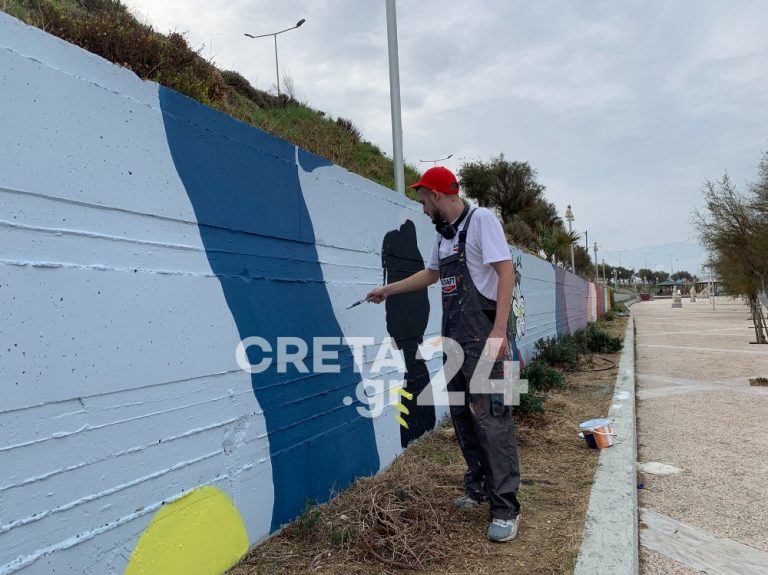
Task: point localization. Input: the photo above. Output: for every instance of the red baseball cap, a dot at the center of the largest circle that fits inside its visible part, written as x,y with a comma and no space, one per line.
439,179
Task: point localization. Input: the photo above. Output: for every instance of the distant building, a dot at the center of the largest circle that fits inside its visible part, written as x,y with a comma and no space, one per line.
668,287
716,283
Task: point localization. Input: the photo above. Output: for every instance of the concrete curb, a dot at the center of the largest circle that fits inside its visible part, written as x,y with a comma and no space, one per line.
610,539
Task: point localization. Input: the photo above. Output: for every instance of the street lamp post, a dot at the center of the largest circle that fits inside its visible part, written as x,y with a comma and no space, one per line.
274,34
394,97
570,218
597,278
645,260
434,162
672,260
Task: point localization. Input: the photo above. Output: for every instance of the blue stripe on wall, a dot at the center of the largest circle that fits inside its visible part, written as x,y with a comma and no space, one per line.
244,187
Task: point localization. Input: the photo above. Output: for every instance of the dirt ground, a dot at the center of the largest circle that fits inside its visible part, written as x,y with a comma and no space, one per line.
417,530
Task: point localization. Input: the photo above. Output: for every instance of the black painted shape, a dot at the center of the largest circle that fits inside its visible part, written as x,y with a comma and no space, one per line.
407,318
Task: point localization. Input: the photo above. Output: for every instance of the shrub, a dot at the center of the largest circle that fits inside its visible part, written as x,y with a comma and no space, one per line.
340,535
351,129
531,403
243,87
541,377
309,519
560,351
596,340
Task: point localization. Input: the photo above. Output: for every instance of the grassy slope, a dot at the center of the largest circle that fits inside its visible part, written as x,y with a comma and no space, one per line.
107,28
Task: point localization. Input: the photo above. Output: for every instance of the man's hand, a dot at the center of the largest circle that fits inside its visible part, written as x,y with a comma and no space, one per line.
497,344
378,295
419,280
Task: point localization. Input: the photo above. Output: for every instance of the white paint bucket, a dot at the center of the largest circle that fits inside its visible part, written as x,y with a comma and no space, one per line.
600,429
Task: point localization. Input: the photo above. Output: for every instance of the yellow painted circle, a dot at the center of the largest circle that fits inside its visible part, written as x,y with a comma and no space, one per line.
201,533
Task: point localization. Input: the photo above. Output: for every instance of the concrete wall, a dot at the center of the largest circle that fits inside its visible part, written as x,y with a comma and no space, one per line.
142,237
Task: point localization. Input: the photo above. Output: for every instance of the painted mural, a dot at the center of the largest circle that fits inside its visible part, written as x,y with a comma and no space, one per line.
144,240
260,243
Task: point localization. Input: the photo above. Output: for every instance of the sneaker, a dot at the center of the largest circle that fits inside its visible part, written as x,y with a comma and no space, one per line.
502,530
467,502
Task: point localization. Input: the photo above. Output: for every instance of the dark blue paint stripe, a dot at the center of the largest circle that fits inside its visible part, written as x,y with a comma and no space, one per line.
245,190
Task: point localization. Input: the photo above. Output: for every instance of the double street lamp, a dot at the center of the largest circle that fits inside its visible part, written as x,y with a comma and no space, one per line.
274,34
434,162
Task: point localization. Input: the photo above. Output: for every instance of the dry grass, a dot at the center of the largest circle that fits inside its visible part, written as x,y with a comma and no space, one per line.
402,520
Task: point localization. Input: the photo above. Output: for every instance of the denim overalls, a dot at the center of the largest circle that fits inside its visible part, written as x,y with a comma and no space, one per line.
483,423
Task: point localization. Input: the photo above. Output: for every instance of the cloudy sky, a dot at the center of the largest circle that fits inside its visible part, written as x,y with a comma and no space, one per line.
623,108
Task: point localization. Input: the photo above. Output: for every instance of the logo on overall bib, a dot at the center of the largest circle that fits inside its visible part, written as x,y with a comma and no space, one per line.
449,285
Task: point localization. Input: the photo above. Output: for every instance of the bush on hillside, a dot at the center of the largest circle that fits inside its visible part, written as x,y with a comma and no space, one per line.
107,28
243,87
350,128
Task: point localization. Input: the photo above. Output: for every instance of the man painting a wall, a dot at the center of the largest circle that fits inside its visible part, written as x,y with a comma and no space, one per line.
471,258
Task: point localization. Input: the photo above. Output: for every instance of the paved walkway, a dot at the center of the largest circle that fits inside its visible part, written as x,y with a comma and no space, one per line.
706,508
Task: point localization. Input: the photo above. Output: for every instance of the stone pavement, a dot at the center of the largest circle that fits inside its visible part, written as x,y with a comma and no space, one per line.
697,413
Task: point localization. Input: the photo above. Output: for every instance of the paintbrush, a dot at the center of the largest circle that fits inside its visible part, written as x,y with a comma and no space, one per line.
356,303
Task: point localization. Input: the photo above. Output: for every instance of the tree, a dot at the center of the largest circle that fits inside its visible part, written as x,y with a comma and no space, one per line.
735,230
759,189
647,275
683,275
623,274
512,190
477,182
759,205
607,271
584,265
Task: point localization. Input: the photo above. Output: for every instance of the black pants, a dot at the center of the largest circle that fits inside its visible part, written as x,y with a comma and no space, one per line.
486,433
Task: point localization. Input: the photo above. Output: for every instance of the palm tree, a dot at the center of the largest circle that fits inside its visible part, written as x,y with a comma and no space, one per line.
556,242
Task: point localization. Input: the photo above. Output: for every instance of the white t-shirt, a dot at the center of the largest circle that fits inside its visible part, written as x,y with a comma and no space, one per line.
485,245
